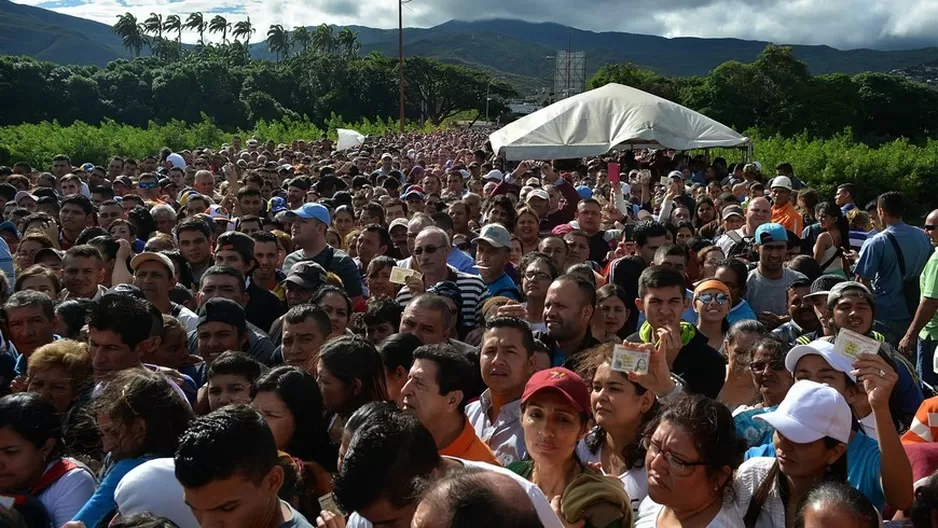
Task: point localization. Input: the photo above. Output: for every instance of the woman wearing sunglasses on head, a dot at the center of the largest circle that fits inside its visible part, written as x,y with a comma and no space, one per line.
712,304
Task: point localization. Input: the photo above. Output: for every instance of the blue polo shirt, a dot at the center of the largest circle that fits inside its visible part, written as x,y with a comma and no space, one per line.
505,287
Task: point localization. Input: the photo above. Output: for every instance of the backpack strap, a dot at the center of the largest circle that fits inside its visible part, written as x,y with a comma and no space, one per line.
54,473
898,250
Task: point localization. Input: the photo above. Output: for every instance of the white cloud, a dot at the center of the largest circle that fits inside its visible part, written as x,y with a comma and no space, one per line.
839,23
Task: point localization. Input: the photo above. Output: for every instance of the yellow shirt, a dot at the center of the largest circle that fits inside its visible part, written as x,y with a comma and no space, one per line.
467,446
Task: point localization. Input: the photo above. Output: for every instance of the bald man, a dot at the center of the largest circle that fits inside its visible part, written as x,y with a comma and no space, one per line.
922,335
475,497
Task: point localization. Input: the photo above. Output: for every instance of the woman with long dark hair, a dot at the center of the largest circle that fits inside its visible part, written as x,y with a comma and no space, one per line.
834,241
621,410
350,374
610,320
291,404
812,429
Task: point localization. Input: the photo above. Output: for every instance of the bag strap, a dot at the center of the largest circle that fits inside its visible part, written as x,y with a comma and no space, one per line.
899,257
837,254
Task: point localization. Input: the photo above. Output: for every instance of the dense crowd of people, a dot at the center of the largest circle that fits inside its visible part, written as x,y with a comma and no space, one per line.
415,332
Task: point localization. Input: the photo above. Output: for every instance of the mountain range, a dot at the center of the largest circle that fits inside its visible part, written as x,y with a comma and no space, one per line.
516,51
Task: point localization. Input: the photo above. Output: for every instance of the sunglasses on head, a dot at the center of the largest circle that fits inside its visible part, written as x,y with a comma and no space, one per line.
707,298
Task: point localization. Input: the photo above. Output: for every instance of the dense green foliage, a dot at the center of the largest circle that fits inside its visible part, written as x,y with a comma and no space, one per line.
776,94
36,144
236,92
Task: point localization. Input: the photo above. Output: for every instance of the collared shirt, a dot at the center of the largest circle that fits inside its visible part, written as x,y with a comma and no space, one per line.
879,264
504,436
467,446
471,289
65,295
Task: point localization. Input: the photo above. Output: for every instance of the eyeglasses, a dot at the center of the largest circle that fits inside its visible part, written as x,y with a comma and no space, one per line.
707,298
429,250
771,365
537,275
147,185
676,465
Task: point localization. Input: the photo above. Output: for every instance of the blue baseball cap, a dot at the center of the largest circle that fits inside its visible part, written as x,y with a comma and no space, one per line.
313,210
584,192
409,194
276,204
10,227
768,233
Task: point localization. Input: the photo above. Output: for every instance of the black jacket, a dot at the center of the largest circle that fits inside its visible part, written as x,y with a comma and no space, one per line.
263,307
701,367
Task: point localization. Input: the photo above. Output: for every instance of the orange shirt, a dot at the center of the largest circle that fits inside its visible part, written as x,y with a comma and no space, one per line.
789,218
924,427
467,446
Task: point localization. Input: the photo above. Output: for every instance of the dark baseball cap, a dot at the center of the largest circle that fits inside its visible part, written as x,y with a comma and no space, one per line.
238,242
126,289
307,274
300,183
823,285
222,310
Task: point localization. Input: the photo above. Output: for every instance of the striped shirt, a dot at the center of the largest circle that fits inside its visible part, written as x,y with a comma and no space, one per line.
472,290
925,425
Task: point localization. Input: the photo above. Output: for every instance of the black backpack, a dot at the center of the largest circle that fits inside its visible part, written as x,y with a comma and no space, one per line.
911,288
743,247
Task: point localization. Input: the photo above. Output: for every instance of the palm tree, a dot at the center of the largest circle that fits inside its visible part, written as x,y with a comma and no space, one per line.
131,33
349,41
244,29
301,37
218,24
166,49
154,25
196,22
174,23
278,41
323,41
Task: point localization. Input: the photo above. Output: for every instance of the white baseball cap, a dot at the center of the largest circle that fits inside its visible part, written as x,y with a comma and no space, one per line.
496,235
811,411
537,193
494,175
823,348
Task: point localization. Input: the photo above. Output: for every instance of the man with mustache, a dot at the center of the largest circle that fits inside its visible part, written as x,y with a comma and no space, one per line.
801,311
767,285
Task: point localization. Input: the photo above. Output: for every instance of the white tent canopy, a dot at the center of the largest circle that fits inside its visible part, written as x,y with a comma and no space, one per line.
595,122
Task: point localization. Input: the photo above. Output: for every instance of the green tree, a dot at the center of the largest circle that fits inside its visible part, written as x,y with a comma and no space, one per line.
348,40
130,32
174,23
218,24
243,30
436,91
154,25
301,37
196,22
323,40
278,41
166,49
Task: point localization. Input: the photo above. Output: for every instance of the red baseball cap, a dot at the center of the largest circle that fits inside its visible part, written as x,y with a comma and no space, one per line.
563,380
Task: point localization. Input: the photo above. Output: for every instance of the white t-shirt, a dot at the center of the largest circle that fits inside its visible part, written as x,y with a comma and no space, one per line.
541,505
66,496
727,517
634,480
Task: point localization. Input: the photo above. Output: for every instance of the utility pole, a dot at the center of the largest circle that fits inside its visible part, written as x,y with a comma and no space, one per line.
400,57
489,85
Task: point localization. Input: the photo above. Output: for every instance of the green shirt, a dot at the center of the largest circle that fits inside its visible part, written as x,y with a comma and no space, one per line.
929,284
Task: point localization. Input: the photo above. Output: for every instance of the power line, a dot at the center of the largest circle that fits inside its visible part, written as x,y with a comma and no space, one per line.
416,13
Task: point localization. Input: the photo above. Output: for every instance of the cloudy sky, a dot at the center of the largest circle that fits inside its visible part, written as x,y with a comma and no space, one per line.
845,24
